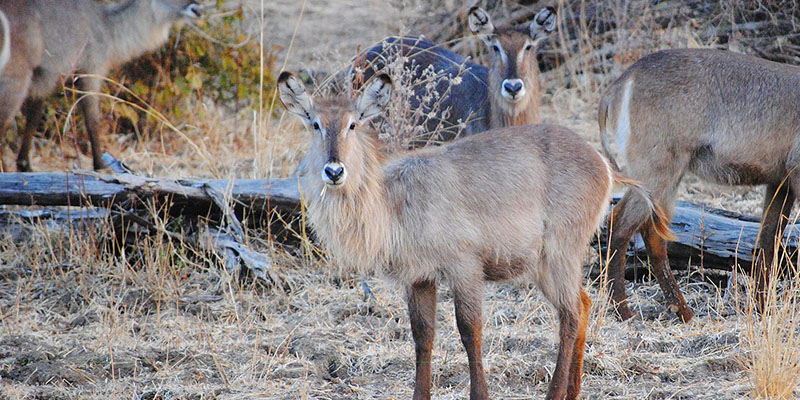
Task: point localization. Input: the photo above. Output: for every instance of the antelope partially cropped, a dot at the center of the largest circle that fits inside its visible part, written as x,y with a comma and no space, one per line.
729,118
517,202
54,38
505,94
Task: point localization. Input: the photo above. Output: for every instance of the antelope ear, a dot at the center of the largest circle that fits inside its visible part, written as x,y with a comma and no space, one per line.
375,97
543,23
480,24
294,98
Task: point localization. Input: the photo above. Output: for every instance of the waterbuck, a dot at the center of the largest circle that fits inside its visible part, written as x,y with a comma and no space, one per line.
469,98
728,118
53,38
516,202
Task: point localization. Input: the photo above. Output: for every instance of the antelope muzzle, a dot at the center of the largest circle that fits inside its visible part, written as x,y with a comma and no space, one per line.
334,174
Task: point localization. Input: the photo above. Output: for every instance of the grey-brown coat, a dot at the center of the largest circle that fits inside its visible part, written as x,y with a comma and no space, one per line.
54,38
729,118
518,202
504,94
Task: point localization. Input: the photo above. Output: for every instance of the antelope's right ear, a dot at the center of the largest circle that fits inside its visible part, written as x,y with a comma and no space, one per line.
480,24
294,97
376,95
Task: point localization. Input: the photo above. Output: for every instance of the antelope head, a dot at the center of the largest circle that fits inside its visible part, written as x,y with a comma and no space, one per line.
338,146
513,51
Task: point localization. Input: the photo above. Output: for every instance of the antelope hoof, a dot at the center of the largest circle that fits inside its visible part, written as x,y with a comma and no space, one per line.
683,311
24,166
100,165
623,311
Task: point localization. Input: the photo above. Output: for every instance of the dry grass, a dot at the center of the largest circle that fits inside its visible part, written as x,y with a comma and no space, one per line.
773,337
157,321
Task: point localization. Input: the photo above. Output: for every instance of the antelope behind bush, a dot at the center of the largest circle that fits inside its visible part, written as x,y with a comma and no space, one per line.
54,38
729,118
469,98
517,202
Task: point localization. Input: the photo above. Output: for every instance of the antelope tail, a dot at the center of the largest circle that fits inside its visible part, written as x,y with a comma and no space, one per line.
602,117
658,217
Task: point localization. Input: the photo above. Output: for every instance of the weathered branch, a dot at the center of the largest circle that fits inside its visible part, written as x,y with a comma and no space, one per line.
713,238
710,237
81,188
118,193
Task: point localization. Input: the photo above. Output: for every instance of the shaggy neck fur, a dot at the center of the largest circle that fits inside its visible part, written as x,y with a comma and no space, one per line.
524,112
133,29
351,221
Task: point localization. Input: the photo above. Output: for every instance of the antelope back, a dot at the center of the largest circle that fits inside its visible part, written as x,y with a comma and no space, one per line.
728,117
458,97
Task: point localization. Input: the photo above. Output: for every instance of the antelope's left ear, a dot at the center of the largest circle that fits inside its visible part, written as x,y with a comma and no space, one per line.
480,24
375,97
543,23
294,97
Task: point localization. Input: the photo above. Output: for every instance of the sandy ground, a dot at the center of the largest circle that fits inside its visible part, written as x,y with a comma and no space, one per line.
327,33
78,323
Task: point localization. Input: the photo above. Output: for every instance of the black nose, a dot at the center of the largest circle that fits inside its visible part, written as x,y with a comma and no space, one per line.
512,87
334,173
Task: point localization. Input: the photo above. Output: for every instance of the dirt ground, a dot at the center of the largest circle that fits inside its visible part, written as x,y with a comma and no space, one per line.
80,323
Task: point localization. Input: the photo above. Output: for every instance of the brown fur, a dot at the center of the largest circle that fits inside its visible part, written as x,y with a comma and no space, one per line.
476,104
526,110
517,202
727,117
513,56
53,38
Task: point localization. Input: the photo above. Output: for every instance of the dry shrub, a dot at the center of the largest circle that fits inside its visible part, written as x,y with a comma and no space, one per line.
179,95
417,115
596,40
223,69
773,337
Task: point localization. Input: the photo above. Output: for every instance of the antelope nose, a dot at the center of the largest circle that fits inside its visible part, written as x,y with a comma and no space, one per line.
334,172
512,86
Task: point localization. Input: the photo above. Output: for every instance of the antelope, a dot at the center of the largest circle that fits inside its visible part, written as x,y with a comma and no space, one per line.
504,94
421,216
728,118
52,38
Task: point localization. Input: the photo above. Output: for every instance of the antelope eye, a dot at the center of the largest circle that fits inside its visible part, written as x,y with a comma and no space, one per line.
316,125
496,48
352,126
528,47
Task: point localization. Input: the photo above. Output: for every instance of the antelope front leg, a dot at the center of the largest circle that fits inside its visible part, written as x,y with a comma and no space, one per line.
468,305
91,113
421,298
568,334
33,110
576,367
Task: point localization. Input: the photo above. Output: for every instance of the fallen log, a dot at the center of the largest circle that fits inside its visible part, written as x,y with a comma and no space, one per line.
82,188
131,202
709,237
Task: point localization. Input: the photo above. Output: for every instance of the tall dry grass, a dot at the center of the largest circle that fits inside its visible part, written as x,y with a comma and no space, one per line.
773,336
81,319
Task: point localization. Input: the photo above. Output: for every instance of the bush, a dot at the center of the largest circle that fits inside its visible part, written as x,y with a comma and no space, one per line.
191,66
